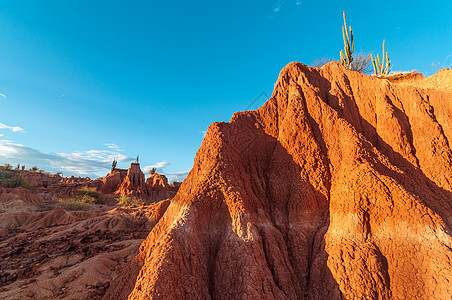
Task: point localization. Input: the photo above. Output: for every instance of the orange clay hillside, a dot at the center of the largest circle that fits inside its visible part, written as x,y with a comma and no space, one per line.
442,80
54,245
339,186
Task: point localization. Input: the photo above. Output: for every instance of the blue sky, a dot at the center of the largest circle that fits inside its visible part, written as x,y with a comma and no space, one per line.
83,82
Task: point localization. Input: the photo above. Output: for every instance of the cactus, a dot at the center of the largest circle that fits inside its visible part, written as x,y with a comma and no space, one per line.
113,165
346,59
383,66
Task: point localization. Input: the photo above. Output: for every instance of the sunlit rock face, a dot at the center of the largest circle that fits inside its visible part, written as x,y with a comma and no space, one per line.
339,186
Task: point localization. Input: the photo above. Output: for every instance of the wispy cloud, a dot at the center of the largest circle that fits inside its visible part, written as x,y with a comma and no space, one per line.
96,155
177,176
114,147
3,96
284,5
172,176
158,166
1,135
12,128
92,163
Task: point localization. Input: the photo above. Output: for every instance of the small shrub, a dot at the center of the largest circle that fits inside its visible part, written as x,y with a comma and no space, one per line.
5,174
130,201
14,182
70,204
87,195
10,179
45,207
318,63
361,63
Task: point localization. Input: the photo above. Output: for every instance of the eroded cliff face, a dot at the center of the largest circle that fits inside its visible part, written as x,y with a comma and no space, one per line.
339,186
134,183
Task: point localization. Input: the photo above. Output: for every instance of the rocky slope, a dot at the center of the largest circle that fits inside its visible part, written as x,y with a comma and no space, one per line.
439,81
339,186
62,254
48,252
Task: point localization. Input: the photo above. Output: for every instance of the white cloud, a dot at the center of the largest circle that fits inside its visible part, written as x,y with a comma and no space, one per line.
177,176
400,72
114,147
172,176
3,96
96,155
178,173
1,134
92,163
12,128
158,166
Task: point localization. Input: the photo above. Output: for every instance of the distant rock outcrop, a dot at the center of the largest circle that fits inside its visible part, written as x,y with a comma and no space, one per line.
134,183
158,187
120,182
111,183
442,80
339,186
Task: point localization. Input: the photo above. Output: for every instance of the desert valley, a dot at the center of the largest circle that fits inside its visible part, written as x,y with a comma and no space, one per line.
276,159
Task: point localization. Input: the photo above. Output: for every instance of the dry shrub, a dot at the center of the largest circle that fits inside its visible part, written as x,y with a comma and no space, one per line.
70,204
361,63
129,201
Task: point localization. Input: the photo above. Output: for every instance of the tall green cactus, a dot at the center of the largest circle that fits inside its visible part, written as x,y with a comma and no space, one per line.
346,59
383,66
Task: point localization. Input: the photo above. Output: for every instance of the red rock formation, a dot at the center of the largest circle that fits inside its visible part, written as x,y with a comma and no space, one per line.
111,183
157,181
339,186
439,81
19,194
158,187
134,183
130,182
36,179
